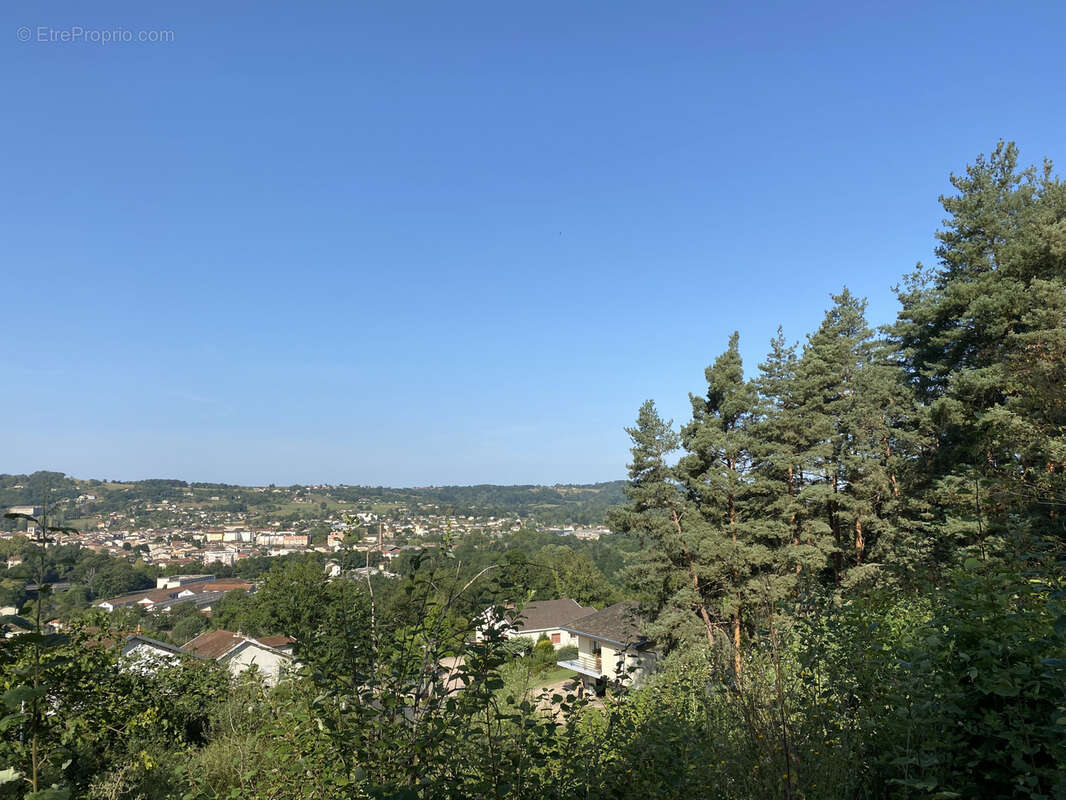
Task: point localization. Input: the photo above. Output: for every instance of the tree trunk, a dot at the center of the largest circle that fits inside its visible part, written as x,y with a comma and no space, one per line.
737,665
834,524
860,543
891,475
737,662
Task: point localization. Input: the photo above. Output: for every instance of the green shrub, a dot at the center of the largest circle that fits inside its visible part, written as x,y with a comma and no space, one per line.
543,654
978,707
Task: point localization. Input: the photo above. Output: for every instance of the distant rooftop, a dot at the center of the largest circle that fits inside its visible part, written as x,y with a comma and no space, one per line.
215,644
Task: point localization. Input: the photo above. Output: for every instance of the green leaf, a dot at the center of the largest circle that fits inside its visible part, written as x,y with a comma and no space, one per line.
9,774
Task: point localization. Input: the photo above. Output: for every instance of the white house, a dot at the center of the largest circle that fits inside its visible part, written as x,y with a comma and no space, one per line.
270,655
144,654
610,648
333,569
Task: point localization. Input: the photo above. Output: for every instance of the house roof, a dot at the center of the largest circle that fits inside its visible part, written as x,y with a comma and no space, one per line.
138,637
619,623
541,615
215,644
212,644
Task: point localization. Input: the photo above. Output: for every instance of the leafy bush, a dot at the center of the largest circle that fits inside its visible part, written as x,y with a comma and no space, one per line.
543,654
978,707
518,646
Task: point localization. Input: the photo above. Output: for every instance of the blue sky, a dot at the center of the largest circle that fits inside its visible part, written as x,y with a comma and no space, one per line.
427,243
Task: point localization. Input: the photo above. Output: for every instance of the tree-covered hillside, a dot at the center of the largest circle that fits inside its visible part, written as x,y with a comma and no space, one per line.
159,502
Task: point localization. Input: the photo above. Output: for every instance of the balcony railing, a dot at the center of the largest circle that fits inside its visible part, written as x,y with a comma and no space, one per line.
585,664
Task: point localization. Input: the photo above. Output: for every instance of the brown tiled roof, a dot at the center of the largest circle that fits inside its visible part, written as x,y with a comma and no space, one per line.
212,644
619,623
540,615
215,644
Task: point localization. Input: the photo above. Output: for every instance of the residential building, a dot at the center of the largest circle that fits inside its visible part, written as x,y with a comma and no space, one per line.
610,647
144,654
270,655
225,557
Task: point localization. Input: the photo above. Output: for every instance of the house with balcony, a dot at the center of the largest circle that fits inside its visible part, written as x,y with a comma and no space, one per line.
610,648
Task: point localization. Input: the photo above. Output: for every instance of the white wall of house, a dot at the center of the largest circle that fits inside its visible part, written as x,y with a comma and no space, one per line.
558,637
270,662
611,654
145,657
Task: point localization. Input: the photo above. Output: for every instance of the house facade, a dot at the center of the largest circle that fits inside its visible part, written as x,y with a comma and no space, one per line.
610,648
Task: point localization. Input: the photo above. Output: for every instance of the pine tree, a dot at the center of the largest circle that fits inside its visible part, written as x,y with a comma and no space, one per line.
781,438
666,572
715,473
979,334
846,400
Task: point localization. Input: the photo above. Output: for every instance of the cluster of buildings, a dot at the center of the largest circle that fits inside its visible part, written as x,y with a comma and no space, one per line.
200,590
228,544
592,533
270,655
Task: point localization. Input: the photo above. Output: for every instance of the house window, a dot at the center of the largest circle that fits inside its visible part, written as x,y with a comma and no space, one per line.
556,638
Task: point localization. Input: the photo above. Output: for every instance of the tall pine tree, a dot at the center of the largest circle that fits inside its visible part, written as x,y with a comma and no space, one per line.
666,574
716,475
843,396
981,339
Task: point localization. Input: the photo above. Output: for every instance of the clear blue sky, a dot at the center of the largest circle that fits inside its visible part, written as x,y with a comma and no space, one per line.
422,243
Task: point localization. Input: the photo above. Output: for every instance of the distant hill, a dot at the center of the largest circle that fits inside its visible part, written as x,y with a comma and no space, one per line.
160,502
